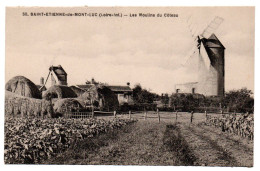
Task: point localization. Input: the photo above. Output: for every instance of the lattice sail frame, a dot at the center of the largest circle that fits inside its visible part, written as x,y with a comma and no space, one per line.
205,33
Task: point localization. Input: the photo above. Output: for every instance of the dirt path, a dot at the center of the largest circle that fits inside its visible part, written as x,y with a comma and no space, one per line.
143,145
213,148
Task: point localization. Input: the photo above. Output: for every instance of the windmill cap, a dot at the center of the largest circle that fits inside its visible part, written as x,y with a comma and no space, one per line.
213,42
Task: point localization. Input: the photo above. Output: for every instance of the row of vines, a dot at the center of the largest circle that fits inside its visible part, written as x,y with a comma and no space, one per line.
33,140
242,125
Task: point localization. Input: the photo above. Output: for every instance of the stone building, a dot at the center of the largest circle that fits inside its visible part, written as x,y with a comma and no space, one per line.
124,93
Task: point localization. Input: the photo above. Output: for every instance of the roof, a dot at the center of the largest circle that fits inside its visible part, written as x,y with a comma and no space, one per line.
212,42
59,72
120,88
188,83
40,87
77,90
61,92
85,86
111,87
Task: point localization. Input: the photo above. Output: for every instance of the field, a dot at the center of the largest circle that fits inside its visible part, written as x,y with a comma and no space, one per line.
146,142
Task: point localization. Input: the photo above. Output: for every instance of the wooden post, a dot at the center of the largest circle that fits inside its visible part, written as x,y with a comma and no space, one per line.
176,116
92,108
92,113
159,119
222,113
191,116
129,114
206,114
114,114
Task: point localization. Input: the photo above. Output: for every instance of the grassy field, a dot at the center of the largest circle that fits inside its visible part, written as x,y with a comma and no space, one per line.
170,142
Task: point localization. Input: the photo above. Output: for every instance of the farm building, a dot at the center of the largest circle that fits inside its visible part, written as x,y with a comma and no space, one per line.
101,97
23,86
186,87
124,93
59,77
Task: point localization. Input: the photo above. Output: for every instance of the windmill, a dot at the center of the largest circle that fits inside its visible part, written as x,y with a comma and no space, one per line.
210,54
197,34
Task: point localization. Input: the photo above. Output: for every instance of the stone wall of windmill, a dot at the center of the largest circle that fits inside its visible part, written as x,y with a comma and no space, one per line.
212,78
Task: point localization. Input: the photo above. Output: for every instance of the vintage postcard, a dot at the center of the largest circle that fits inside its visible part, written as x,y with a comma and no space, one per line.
160,86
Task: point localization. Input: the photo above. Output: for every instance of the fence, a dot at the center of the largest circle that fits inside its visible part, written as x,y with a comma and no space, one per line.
79,115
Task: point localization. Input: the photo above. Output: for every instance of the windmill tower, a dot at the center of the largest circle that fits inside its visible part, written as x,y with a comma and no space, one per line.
211,59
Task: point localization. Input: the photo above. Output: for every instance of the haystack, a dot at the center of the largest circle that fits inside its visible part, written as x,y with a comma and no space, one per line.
59,91
17,105
67,105
101,97
23,86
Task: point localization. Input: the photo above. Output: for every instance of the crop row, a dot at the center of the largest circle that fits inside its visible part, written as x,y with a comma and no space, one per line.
33,140
242,125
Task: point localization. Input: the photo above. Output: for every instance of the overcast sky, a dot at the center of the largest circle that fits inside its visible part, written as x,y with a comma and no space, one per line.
148,51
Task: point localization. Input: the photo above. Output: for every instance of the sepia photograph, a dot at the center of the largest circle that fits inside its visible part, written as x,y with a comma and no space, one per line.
146,86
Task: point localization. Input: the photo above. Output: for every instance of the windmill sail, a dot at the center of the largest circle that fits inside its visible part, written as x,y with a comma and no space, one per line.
190,55
196,32
212,27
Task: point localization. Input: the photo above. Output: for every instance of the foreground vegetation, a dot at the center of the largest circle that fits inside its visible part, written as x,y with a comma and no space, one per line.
242,125
33,140
148,142
173,141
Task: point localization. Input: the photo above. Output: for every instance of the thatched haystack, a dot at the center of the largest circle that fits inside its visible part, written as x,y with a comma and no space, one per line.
77,90
23,86
67,105
59,91
16,105
102,97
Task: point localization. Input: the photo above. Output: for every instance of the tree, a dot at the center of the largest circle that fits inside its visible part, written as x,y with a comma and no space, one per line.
239,100
141,95
165,99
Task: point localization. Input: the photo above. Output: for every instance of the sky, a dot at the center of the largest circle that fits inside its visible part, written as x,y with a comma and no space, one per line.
149,51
